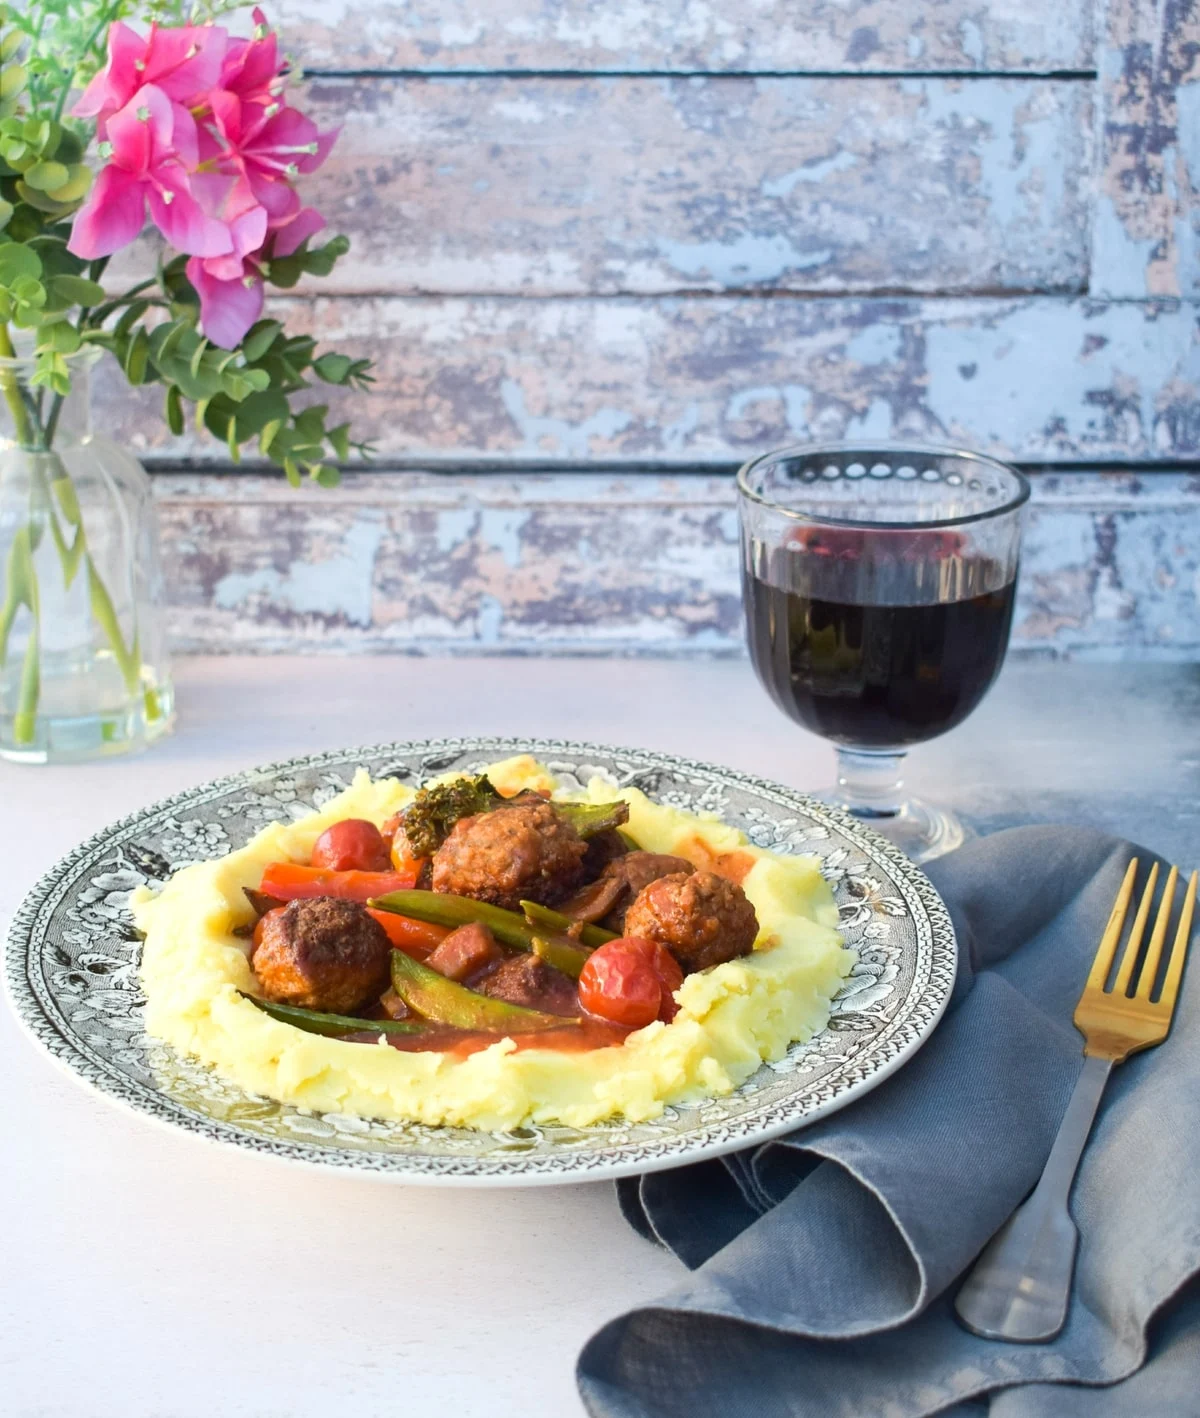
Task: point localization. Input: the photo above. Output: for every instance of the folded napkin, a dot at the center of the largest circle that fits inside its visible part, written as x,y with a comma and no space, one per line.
824,1263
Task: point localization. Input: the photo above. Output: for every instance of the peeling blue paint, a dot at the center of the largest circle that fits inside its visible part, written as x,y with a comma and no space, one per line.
1119,259
1118,383
874,344
541,435
816,171
338,588
1187,209
749,257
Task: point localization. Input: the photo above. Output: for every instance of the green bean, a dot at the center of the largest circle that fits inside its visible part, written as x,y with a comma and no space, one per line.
314,1022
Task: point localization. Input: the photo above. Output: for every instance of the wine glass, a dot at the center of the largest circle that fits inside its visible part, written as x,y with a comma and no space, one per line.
878,586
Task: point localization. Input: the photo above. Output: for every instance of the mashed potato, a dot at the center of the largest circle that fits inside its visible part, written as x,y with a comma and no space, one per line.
731,1018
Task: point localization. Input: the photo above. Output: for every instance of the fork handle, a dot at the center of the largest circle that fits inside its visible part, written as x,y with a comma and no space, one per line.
1020,1286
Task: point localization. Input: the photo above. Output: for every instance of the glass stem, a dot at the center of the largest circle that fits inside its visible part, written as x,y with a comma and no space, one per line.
869,784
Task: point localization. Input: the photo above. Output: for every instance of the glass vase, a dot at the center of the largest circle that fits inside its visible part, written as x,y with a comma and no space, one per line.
83,664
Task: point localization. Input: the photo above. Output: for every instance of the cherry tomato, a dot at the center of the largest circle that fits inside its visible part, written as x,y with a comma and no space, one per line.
351,845
403,858
630,981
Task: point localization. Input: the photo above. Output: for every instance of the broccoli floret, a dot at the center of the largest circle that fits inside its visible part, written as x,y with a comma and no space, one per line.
435,810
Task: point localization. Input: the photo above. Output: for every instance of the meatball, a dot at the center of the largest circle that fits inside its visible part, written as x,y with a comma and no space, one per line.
702,919
608,898
322,954
528,980
525,851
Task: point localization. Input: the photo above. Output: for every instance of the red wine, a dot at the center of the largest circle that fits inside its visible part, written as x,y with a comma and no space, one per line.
877,675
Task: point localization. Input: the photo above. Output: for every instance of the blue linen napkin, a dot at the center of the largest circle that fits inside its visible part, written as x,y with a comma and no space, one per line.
825,1262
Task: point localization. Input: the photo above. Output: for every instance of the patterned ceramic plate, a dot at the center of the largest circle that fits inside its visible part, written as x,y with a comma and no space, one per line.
73,957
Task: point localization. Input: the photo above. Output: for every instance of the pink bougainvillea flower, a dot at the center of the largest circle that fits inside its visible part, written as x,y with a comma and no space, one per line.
289,235
228,307
230,200
183,61
146,169
270,146
252,68
231,288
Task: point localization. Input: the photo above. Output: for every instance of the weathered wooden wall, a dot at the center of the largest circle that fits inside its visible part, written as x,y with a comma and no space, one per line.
593,563
661,237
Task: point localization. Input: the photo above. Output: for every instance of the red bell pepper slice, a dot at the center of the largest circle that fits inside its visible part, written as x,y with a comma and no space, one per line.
287,881
415,938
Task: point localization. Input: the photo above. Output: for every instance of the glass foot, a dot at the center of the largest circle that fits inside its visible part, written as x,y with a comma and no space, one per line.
919,829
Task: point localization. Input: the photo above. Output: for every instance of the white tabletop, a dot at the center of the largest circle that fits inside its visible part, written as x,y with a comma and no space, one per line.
149,1275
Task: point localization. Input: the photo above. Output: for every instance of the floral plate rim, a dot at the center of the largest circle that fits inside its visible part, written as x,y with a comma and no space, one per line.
923,1006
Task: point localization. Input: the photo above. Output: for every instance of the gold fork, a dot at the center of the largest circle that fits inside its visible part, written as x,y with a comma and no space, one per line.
1020,1286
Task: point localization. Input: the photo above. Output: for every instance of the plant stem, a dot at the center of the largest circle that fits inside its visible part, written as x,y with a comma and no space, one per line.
12,392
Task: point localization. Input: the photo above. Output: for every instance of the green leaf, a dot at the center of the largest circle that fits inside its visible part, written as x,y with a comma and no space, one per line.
259,338
24,224
333,368
77,290
267,437
292,472
175,420
17,260
321,261
6,211
284,272
76,186
327,475
259,412
60,336
42,201
197,356
11,42
37,132
70,148
45,176
13,79
137,357
339,440
130,318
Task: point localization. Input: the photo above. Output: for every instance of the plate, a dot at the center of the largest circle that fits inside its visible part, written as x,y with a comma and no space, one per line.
72,973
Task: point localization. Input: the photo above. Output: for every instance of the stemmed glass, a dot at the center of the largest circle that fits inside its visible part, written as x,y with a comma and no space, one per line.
878,586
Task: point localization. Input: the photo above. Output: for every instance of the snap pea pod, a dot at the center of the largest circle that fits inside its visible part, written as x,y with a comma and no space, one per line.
555,921
446,1002
590,818
312,1021
564,956
445,910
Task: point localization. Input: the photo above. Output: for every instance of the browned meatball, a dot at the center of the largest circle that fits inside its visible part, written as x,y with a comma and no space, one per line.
322,954
702,919
608,898
525,851
528,980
